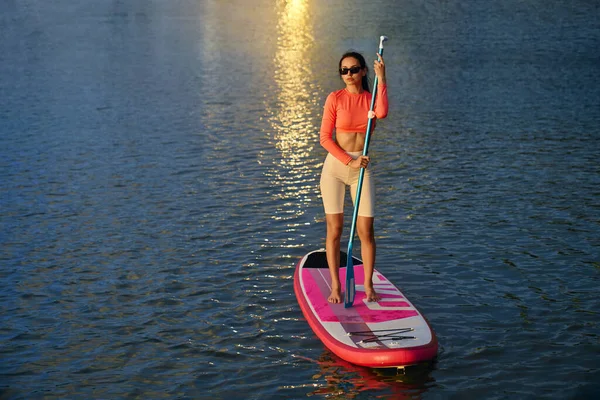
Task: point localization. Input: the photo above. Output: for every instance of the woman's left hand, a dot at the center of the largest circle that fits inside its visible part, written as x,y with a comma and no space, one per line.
379,68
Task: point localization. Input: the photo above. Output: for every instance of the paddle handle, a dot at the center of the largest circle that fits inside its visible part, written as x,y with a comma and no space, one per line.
350,285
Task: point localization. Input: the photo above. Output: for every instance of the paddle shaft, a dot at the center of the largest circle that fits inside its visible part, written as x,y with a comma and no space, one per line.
350,285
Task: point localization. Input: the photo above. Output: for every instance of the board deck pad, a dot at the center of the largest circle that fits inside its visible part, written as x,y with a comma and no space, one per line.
386,333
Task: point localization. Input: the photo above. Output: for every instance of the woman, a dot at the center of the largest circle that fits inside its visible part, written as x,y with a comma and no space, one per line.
347,112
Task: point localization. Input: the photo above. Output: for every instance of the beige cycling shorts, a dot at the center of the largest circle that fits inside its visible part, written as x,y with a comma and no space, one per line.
336,176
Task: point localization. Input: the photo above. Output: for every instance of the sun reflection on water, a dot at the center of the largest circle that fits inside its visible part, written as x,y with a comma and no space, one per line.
293,112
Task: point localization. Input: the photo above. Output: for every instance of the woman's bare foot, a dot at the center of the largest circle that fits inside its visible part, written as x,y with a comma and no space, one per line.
336,295
372,296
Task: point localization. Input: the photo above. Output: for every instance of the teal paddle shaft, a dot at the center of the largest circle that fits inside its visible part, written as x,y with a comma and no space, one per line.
350,284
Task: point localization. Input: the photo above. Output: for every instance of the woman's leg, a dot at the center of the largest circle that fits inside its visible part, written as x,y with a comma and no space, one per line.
332,248
366,233
333,190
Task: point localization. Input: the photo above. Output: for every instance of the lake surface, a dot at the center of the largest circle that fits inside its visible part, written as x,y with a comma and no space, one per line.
160,161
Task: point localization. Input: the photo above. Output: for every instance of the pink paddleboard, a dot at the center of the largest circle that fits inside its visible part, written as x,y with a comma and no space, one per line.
387,333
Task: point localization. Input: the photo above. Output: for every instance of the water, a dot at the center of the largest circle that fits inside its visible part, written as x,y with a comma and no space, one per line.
160,163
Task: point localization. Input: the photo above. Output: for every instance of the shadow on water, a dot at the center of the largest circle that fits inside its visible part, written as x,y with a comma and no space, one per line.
339,379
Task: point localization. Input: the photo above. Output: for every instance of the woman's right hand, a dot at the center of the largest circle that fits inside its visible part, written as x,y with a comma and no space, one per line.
360,162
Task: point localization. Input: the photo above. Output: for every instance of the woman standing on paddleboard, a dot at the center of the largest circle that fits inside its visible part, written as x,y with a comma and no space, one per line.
347,113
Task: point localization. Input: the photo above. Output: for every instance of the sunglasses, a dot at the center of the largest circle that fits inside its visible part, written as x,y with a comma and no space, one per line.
352,70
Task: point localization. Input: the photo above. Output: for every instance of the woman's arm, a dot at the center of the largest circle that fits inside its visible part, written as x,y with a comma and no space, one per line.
327,127
381,102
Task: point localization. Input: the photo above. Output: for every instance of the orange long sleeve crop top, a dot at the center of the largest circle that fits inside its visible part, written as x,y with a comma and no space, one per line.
348,113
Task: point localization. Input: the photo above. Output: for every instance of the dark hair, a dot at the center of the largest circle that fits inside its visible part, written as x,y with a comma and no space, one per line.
363,64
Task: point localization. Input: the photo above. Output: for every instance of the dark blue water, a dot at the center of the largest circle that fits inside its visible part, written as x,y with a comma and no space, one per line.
159,166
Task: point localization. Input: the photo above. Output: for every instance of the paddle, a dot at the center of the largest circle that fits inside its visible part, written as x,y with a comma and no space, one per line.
350,285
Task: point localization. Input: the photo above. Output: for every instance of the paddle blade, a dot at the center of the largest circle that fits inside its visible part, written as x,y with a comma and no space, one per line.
350,285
